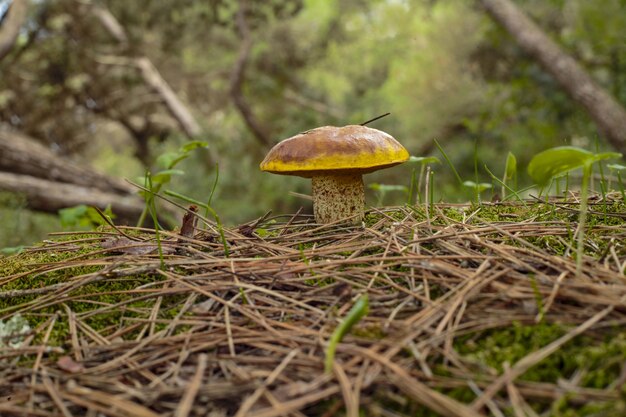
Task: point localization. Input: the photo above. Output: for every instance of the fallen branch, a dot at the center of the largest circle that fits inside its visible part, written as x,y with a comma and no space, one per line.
20,154
10,28
51,196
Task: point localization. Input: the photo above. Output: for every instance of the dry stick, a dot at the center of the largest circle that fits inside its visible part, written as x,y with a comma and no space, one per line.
102,402
418,391
532,359
40,352
54,393
229,332
71,320
184,407
155,312
287,407
514,397
252,399
551,297
349,400
258,318
103,367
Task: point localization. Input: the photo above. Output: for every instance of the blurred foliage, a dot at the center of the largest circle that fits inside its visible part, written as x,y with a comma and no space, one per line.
442,68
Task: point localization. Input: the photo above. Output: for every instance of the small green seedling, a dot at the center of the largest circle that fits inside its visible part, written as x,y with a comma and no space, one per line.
510,173
548,164
12,250
423,161
449,162
618,169
358,311
477,187
505,186
383,189
151,207
166,162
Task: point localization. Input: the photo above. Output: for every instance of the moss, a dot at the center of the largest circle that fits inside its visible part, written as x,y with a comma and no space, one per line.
600,361
372,332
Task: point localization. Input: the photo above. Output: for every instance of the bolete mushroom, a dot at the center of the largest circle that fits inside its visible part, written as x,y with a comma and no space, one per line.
335,158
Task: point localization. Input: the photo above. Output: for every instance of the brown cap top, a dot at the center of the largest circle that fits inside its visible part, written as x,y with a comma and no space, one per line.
350,148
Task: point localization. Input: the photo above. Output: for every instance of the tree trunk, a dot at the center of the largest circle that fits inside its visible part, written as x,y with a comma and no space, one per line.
608,114
20,154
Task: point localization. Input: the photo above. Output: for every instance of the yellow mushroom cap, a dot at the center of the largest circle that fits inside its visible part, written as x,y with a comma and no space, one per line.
347,149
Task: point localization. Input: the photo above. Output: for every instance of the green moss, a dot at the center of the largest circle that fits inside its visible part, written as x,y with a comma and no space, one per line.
369,332
600,361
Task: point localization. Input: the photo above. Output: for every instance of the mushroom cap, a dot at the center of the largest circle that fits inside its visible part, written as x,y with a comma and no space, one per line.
347,149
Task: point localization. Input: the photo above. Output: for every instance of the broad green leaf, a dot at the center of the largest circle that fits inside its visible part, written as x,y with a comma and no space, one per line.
556,161
72,216
168,160
83,215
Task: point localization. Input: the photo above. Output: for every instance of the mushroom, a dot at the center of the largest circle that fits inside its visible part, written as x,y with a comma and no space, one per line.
335,158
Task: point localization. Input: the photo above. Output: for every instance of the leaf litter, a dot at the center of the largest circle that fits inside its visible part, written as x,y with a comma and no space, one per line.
247,334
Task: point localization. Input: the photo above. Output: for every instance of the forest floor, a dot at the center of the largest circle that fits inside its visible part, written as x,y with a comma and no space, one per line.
473,310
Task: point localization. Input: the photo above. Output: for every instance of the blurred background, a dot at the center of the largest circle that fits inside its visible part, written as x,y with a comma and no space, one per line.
93,91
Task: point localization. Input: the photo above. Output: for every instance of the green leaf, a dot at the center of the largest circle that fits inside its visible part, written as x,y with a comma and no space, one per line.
72,216
168,160
84,216
188,147
424,160
510,169
388,187
163,177
616,167
556,161
12,250
480,187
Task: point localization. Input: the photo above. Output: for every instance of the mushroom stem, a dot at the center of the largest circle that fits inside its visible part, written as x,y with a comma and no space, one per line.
337,196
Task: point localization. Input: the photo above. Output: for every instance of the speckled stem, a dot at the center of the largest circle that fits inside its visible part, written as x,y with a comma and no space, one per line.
338,196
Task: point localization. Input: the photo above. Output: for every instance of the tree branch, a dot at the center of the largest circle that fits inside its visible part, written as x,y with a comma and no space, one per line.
179,111
608,114
151,76
11,25
238,76
110,23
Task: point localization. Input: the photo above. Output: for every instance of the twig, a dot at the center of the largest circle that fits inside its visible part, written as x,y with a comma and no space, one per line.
186,403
